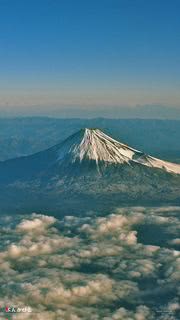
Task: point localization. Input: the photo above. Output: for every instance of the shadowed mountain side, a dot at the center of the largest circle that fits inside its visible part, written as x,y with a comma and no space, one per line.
87,171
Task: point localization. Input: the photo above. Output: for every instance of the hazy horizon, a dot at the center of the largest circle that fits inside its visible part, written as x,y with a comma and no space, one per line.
113,112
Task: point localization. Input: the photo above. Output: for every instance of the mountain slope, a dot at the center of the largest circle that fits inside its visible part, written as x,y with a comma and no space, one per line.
87,145
93,144
88,170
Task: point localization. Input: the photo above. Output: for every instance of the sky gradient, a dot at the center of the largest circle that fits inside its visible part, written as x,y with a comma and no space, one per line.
88,54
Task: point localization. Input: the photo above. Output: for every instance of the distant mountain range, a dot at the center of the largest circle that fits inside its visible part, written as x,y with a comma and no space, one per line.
87,171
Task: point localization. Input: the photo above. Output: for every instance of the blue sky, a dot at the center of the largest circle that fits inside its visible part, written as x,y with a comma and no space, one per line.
58,53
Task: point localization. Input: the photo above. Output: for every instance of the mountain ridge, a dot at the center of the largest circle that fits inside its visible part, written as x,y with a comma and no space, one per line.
88,170
95,145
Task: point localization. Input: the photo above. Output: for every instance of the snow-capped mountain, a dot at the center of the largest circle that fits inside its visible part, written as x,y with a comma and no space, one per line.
88,170
95,145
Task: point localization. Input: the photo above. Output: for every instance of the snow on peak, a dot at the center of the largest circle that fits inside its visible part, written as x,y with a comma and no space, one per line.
96,145
93,144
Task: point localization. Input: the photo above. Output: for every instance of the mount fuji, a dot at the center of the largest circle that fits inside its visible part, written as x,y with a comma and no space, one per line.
94,145
88,170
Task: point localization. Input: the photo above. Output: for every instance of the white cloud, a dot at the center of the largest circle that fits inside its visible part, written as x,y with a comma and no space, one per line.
90,268
39,223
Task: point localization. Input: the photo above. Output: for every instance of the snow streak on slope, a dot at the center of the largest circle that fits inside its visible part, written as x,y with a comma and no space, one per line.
98,146
157,163
93,144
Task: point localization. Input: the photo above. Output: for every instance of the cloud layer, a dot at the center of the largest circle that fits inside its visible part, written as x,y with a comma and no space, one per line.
121,266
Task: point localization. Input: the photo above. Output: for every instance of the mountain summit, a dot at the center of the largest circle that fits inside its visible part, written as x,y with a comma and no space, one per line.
95,145
87,171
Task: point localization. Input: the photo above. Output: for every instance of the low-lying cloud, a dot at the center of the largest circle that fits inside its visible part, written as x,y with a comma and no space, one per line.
122,266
